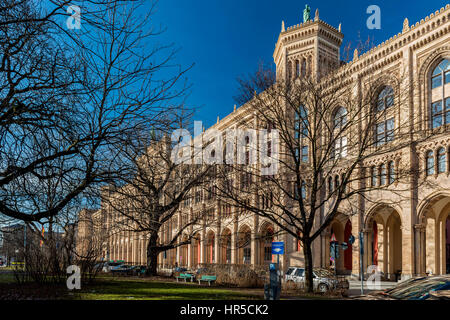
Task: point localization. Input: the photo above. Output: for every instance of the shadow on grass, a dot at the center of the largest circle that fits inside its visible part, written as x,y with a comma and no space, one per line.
142,290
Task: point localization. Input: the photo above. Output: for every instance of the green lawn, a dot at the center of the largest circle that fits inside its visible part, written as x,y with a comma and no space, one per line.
141,289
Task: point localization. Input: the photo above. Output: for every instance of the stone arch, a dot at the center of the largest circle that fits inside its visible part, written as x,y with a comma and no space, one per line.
243,244
196,250
383,239
425,70
348,254
433,232
210,247
266,236
184,251
225,246
337,230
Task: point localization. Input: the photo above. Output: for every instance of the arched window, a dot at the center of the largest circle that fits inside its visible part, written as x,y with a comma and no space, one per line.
301,133
340,117
340,143
384,129
382,174
297,68
303,189
289,70
441,160
373,177
336,182
440,104
303,67
385,98
391,170
441,72
430,163
330,185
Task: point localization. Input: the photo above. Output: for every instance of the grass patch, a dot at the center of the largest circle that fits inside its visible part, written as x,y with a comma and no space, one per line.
139,289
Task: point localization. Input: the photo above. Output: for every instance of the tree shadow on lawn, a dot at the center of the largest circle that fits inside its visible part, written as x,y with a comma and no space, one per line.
137,290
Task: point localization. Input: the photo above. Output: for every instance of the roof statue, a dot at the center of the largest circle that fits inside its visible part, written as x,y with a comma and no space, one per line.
306,14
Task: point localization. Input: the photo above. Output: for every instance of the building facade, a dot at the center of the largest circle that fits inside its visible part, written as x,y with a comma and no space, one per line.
407,237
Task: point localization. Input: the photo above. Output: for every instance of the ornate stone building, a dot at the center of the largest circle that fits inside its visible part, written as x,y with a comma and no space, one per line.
410,236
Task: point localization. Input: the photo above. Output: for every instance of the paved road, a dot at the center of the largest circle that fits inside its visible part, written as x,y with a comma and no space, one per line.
355,287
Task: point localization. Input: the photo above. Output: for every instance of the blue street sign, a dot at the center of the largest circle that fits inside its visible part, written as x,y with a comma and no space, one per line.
277,247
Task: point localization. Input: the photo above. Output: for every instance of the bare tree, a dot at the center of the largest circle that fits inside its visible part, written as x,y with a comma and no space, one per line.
324,133
69,98
254,83
154,193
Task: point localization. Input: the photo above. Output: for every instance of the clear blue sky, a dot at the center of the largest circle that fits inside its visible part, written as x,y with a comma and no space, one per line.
227,38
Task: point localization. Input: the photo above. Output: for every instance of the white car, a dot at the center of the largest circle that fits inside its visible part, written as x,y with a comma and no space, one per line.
323,280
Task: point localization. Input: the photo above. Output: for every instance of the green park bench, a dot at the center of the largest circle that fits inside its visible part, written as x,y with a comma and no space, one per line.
209,279
185,276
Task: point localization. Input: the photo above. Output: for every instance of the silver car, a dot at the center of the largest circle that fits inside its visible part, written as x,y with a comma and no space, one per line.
323,280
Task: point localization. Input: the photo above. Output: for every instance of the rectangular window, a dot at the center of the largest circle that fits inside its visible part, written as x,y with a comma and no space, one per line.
390,130
382,175
247,255
447,111
430,165
373,174
304,153
384,132
303,190
436,114
340,148
391,168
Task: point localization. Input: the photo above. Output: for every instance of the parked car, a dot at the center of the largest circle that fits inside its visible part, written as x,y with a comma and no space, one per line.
121,268
421,288
107,266
323,279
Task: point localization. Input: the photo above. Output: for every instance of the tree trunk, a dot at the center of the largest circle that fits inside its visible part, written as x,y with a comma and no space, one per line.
309,285
152,254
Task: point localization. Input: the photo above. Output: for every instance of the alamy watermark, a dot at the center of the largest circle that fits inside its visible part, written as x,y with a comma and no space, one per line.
249,145
374,20
74,280
74,21
374,279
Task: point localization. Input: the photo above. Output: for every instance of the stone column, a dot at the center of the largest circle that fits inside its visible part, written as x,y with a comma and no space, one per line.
254,248
407,246
254,258
202,247
216,247
190,257
418,248
423,251
234,249
365,262
177,252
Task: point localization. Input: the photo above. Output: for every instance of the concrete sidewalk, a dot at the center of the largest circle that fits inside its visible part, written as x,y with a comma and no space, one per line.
355,287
